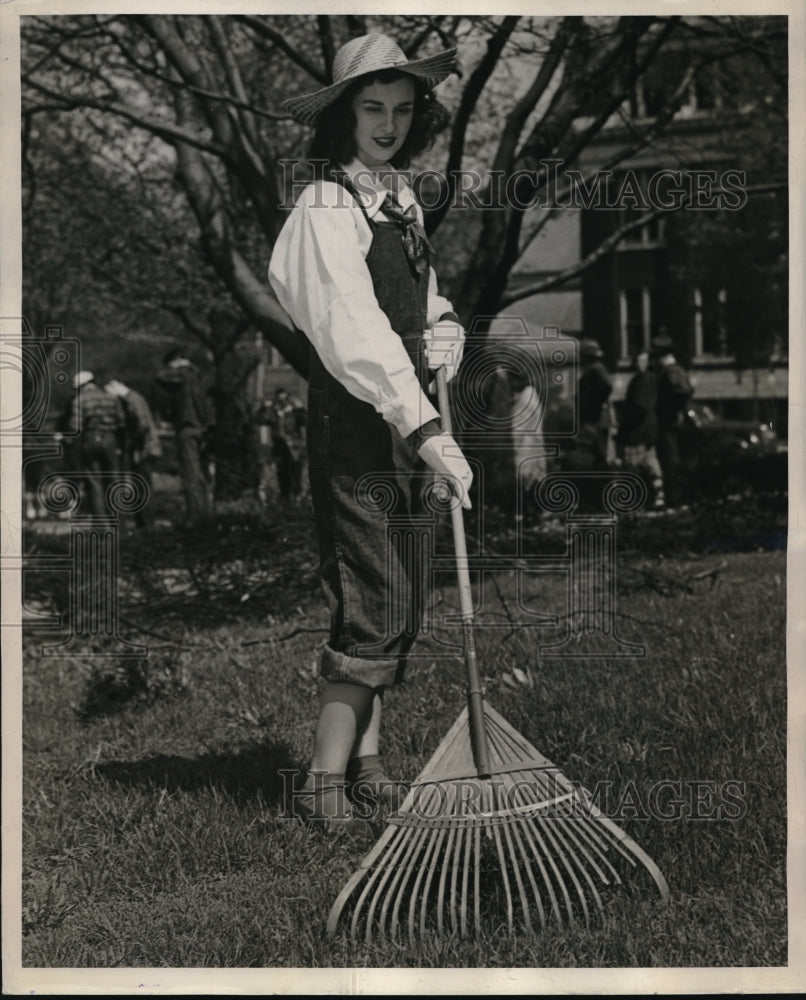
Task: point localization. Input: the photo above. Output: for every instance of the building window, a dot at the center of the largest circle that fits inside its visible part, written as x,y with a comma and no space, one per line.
710,334
654,232
636,320
706,93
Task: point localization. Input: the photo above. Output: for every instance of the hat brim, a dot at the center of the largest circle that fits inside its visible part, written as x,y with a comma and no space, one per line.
433,69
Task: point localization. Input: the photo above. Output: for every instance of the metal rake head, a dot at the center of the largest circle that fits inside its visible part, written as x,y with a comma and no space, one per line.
468,856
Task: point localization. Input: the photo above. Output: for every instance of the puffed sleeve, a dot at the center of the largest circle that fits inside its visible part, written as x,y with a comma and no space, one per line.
319,274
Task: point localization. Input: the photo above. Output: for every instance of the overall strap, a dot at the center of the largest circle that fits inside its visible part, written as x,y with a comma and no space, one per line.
340,177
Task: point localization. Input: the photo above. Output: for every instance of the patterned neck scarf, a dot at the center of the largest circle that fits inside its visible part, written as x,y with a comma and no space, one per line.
415,241
414,238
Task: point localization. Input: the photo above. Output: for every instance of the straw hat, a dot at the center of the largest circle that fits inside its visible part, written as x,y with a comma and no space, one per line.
368,54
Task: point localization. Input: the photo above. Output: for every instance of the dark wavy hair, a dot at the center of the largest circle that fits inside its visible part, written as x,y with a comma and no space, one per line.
334,137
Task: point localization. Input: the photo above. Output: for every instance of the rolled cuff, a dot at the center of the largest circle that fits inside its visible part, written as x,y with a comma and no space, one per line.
368,672
411,413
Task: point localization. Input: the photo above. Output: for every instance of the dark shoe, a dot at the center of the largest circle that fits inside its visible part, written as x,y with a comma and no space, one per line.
326,810
380,791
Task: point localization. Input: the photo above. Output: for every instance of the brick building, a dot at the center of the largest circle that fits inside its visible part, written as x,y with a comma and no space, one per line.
723,302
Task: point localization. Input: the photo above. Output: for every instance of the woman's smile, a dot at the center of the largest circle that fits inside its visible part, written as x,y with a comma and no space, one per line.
383,113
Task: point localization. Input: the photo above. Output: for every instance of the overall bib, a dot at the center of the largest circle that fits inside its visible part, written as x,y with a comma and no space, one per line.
362,472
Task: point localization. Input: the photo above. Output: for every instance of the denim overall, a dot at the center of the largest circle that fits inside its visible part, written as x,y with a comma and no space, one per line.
363,472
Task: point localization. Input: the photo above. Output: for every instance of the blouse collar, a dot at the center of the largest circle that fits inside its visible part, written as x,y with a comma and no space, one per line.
371,190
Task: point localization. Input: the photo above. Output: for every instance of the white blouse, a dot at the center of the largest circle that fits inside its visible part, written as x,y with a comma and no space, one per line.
319,275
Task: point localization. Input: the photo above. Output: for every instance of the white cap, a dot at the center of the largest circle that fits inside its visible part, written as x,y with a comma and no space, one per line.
81,378
116,388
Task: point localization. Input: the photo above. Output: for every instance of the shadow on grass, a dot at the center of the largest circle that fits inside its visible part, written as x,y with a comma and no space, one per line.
243,776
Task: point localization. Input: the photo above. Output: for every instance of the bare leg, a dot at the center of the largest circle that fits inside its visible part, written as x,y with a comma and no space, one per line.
367,740
346,712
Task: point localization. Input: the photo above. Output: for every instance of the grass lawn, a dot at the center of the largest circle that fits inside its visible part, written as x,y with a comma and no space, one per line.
153,809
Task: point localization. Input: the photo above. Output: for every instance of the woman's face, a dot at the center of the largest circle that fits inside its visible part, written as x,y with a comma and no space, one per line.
642,361
383,113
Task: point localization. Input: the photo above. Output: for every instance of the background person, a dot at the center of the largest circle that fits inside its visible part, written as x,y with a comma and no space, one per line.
638,428
352,268
674,392
188,410
97,418
286,417
589,449
141,441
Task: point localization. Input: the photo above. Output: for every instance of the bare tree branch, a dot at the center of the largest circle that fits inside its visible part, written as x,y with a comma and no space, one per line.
241,103
223,47
251,294
561,277
413,45
356,25
644,139
266,31
165,130
516,119
470,95
327,43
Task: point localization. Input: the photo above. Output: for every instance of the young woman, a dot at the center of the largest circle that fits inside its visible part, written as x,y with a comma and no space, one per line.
352,268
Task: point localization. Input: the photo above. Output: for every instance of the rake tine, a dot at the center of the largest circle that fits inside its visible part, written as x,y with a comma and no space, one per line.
519,840
585,838
516,833
398,884
442,880
441,835
565,834
465,878
516,796
568,832
503,795
433,842
624,842
539,831
385,875
544,825
535,845
604,838
457,853
516,871
357,877
505,877
477,879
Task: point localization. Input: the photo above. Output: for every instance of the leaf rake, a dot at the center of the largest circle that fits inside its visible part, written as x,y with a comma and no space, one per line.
489,827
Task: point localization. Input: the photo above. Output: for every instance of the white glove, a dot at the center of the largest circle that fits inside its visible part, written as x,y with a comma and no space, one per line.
444,343
441,453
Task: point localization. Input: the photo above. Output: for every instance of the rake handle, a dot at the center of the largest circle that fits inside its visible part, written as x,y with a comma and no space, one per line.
475,695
